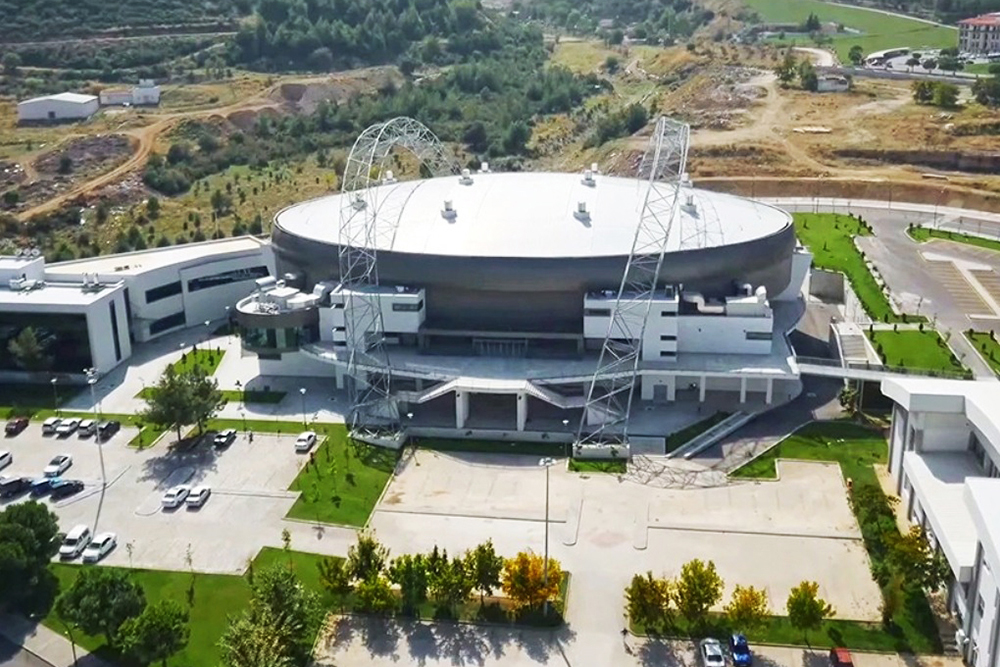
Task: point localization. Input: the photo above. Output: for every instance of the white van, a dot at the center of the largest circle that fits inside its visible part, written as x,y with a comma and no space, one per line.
75,542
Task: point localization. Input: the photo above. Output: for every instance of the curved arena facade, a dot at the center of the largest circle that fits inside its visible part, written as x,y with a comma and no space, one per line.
518,251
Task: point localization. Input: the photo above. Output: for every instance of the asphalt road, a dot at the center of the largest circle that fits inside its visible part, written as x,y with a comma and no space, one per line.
13,656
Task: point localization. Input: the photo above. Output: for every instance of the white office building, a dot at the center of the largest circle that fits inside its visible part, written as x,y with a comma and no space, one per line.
944,457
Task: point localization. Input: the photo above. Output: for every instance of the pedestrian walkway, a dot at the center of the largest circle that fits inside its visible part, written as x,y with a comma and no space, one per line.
46,644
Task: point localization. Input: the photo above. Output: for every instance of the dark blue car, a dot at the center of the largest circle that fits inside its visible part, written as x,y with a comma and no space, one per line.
739,649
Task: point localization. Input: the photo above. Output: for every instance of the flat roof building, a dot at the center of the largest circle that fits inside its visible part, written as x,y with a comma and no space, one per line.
63,106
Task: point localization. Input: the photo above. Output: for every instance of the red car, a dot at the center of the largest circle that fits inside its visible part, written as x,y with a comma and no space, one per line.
16,425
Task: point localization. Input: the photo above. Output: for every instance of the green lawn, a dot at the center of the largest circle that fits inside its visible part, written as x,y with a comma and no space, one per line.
344,483
678,438
857,449
208,359
616,467
925,350
987,346
878,31
924,234
830,238
215,597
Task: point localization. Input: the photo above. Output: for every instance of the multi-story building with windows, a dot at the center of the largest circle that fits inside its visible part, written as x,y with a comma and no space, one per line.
980,34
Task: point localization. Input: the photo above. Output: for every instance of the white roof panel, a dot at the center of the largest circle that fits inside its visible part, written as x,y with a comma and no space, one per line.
136,263
528,215
77,98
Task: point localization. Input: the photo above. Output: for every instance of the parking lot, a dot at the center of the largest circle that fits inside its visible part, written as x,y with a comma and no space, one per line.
249,495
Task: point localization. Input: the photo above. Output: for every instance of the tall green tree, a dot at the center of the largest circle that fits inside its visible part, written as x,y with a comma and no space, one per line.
913,559
367,558
748,608
373,595
451,584
160,631
28,540
409,572
806,610
698,588
29,353
484,566
647,600
100,600
856,54
335,578
254,639
181,399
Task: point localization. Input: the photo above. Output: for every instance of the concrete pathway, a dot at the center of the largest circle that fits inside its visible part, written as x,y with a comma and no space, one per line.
45,646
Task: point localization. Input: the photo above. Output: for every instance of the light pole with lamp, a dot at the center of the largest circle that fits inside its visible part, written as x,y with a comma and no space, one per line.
565,424
243,416
239,388
302,391
55,395
91,374
546,463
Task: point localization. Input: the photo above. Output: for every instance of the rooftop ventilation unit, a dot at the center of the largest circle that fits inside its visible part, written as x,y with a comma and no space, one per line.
484,168
581,211
686,179
389,177
690,207
466,178
588,177
449,210
359,202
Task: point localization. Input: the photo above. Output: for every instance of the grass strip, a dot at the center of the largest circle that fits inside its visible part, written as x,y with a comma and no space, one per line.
987,345
923,234
922,350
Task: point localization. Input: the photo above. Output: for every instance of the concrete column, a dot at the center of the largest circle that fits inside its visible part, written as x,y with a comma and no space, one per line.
522,410
647,388
671,387
339,378
701,388
769,395
743,390
420,384
461,408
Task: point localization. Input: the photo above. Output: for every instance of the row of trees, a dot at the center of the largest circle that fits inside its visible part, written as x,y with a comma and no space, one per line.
790,70
656,603
382,585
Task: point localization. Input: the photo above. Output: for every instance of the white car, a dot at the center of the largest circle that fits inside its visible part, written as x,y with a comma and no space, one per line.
6,458
711,652
305,441
176,496
58,465
87,428
67,427
99,547
198,496
75,541
50,425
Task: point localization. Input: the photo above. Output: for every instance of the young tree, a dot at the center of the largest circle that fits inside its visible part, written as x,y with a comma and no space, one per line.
788,68
10,61
912,62
523,580
180,399
929,64
923,91
409,572
945,95
917,564
611,64
856,54
373,595
295,608
484,566
28,541
806,610
28,352
254,639
367,558
892,600
451,584
748,608
808,77
100,601
334,577
698,588
648,600
156,634
153,208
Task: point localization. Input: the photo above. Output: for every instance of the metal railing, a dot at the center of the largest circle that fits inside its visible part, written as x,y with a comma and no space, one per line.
883,368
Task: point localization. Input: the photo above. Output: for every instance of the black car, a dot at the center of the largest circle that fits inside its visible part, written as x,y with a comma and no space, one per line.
107,429
65,487
224,439
15,426
14,486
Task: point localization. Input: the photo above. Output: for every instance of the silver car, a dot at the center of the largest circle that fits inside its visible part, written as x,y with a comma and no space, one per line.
711,653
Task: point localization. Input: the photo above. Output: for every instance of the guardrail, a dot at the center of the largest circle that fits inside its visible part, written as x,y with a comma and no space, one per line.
883,368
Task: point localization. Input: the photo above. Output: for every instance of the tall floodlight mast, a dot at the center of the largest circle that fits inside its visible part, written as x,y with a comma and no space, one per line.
609,396
366,224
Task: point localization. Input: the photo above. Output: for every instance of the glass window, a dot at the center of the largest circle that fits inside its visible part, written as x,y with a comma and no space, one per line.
758,335
226,278
166,323
597,312
163,292
408,307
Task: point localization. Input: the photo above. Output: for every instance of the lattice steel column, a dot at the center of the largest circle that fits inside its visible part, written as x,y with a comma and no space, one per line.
609,396
365,226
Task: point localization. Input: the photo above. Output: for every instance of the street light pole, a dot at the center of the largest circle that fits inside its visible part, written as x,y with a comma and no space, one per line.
546,463
302,391
55,395
92,380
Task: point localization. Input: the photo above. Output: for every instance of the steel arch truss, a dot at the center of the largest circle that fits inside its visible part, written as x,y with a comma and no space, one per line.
609,396
366,223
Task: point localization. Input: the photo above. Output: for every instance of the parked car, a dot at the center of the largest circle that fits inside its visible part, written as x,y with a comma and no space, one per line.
739,649
11,487
75,541
15,426
224,439
88,427
50,425
99,547
176,496
6,458
107,429
41,486
67,427
58,465
61,488
305,441
841,657
198,496
711,653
